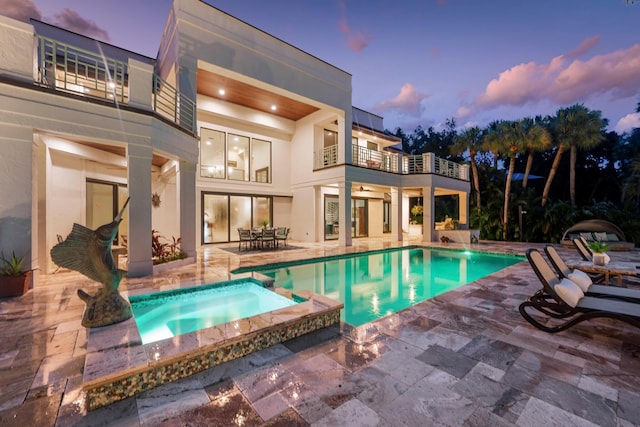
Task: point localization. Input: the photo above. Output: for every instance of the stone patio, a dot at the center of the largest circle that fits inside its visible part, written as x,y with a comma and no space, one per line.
464,358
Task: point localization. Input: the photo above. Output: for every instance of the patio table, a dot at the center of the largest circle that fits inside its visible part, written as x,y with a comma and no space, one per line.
614,268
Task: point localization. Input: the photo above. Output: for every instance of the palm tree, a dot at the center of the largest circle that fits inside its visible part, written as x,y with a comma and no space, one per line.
470,139
491,144
506,137
574,127
536,139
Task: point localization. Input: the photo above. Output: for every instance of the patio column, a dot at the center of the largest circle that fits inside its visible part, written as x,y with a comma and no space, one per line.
429,214
396,214
344,202
139,233
463,208
186,186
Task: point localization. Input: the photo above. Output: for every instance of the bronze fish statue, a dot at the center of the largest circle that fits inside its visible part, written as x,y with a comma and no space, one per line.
89,252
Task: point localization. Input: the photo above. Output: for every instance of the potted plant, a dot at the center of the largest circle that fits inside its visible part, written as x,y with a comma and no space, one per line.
14,281
598,249
265,223
444,240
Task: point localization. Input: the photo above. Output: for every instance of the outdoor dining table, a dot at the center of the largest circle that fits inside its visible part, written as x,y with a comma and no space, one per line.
613,268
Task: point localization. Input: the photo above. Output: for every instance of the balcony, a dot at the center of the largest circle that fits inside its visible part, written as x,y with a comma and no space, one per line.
404,164
67,68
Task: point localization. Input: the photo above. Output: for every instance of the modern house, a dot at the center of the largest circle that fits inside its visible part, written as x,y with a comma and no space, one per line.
228,127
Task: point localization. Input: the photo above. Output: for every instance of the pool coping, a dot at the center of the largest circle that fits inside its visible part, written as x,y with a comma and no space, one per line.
118,365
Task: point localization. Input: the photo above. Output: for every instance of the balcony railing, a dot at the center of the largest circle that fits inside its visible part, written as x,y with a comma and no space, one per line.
171,104
391,162
67,68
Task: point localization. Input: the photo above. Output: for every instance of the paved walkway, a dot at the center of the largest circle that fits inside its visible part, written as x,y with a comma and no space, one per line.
463,358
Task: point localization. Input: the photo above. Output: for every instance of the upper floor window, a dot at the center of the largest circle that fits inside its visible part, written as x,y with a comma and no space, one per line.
234,157
372,146
330,138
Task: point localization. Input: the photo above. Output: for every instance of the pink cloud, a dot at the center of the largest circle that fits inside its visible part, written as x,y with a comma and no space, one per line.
21,10
408,100
71,20
584,47
563,80
356,40
628,123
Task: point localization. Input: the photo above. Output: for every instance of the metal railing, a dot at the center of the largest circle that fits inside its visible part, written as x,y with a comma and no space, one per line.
68,68
325,157
373,159
173,105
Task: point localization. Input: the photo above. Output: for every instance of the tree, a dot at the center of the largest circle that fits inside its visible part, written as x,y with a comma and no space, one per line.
506,137
536,139
573,127
470,139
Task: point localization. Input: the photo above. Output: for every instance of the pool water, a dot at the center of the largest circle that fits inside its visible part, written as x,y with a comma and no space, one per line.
377,284
167,314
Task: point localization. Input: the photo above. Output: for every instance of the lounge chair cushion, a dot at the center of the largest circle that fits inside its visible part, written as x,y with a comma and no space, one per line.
600,237
569,292
612,237
581,279
587,236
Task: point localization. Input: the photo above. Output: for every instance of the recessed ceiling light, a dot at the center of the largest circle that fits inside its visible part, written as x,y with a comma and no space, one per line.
221,92
274,108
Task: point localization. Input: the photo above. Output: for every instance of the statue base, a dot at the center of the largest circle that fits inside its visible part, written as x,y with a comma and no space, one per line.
104,309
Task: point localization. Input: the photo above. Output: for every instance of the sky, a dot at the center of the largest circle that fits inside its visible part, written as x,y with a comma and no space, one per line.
421,62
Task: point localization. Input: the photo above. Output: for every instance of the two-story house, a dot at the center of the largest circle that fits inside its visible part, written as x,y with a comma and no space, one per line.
227,127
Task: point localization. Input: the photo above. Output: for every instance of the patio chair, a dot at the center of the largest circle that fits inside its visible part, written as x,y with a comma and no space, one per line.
245,238
282,233
587,282
564,300
268,237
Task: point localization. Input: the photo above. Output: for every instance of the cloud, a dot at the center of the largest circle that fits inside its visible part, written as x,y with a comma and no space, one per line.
71,20
564,80
628,123
356,40
409,101
21,10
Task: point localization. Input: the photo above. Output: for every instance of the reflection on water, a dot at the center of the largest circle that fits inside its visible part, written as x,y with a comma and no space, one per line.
375,285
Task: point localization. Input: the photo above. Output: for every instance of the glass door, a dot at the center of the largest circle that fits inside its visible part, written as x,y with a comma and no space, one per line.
104,201
331,217
359,226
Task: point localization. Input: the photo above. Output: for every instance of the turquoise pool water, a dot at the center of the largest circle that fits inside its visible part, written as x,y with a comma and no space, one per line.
167,314
374,285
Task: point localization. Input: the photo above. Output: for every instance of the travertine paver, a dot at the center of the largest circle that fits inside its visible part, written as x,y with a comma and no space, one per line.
463,358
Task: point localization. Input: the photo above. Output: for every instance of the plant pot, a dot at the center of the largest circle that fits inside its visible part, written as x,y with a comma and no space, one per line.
598,259
15,286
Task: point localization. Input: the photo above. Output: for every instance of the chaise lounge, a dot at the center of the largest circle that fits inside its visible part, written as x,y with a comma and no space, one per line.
562,300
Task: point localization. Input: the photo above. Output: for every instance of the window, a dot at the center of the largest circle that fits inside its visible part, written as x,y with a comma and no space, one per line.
260,160
372,146
330,138
104,201
331,217
238,158
359,214
234,157
212,154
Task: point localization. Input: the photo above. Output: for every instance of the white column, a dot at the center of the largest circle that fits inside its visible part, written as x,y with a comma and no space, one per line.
186,186
463,208
396,214
139,182
344,200
429,214
140,84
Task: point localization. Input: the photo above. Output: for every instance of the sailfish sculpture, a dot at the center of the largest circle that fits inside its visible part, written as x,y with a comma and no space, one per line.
89,252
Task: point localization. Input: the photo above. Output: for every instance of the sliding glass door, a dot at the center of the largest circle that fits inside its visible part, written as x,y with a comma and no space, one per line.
223,214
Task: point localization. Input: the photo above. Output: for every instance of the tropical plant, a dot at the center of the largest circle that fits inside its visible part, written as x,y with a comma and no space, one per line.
11,266
536,139
573,127
598,247
470,139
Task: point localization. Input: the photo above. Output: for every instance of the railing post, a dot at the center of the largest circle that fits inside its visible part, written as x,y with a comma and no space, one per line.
429,163
140,91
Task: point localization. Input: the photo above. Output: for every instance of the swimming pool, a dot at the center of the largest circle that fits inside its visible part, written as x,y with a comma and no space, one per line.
375,284
167,314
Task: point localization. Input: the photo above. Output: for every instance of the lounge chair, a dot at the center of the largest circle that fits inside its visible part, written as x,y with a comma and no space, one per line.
586,282
597,230
583,248
564,300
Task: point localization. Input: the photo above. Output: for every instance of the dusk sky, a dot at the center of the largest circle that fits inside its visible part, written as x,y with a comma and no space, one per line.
419,62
